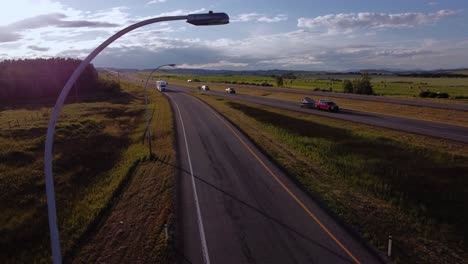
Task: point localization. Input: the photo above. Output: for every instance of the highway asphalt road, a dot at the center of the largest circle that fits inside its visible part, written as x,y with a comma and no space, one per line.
427,128
382,99
235,206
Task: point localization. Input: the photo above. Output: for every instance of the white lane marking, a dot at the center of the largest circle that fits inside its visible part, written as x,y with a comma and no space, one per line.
206,257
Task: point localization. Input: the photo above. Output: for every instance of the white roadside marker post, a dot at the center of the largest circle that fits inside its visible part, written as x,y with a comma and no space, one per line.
389,252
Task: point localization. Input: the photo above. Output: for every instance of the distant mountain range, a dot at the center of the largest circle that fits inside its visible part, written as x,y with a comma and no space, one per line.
385,71
116,69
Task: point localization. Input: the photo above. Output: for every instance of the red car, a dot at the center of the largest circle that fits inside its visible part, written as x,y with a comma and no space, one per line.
327,105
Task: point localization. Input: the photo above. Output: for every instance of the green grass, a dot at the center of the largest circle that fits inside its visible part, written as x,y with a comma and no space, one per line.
379,181
449,116
98,140
383,84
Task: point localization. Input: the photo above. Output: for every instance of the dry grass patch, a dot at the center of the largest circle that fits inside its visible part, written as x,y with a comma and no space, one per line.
379,181
133,231
98,143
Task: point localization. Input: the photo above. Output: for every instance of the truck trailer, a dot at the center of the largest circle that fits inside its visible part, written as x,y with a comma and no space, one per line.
161,85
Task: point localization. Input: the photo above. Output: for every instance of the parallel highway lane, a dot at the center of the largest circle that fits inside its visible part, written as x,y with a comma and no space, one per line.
427,128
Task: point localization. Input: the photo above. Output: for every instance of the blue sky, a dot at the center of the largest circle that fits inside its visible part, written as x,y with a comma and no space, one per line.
299,35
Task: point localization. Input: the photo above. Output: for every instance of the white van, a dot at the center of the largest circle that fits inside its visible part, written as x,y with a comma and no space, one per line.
205,88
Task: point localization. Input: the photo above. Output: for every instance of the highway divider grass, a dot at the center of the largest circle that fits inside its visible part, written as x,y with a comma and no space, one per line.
381,182
450,116
99,142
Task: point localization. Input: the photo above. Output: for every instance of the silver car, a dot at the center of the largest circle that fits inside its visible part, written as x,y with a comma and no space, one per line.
307,102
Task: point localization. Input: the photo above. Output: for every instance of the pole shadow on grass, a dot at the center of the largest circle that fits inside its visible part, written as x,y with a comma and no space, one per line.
253,208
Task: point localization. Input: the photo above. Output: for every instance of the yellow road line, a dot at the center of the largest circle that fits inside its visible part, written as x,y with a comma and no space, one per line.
301,204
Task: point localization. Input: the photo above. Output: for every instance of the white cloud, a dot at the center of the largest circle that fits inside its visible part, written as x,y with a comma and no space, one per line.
259,18
181,12
293,61
119,13
269,46
37,48
244,17
52,15
16,10
403,52
155,2
352,21
214,65
277,18
6,35
13,32
57,20
52,29
290,50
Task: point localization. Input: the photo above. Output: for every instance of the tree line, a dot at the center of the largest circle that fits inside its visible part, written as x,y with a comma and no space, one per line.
359,86
280,79
27,79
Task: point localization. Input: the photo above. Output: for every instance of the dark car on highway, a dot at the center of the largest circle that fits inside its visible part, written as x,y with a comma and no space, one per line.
327,105
230,90
307,102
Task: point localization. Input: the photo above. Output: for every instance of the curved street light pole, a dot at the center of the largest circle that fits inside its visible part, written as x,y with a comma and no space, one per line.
194,19
148,131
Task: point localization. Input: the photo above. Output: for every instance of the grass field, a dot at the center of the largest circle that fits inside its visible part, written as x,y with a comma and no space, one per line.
98,145
449,116
383,84
146,203
381,182
465,72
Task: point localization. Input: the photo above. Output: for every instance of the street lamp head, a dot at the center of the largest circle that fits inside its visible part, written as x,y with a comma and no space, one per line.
208,19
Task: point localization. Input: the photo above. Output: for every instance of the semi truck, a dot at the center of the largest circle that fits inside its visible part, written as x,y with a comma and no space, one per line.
161,85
